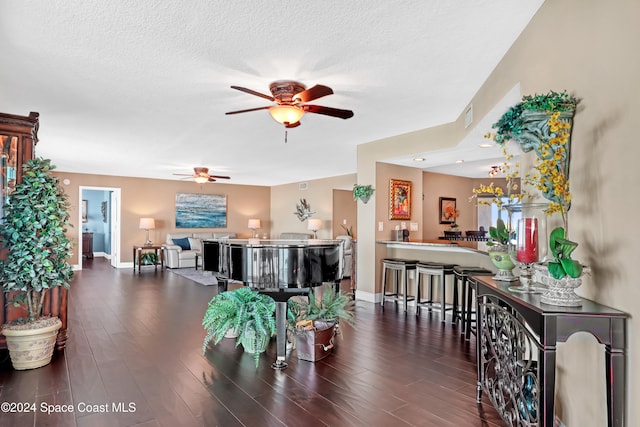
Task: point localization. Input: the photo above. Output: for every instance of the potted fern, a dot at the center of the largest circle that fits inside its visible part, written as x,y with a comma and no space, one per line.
314,321
362,192
249,313
33,230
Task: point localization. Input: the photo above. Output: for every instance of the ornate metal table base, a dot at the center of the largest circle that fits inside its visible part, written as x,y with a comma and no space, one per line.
516,351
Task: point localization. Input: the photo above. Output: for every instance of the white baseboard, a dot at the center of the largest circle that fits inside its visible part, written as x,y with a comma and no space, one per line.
367,296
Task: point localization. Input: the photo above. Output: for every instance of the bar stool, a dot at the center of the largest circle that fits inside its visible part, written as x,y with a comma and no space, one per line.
461,274
469,320
401,267
437,270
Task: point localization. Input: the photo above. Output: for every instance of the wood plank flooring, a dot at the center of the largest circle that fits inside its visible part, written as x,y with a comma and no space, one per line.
133,358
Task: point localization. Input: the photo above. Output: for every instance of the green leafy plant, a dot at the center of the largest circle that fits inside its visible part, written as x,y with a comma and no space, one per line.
331,305
149,258
246,311
347,229
34,231
511,123
362,192
561,248
499,234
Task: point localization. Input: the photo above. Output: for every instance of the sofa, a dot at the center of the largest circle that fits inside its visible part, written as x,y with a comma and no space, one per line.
347,247
180,249
348,254
295,236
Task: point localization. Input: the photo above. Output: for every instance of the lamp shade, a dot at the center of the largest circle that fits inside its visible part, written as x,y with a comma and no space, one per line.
147,223
314,224
286,113
254,224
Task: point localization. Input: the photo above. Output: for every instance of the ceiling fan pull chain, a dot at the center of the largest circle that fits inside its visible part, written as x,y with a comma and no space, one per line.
285,136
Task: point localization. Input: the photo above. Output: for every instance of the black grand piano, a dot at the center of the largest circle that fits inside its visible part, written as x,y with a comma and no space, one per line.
278,268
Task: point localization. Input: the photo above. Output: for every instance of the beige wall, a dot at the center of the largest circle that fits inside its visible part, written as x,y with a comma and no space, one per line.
436,185
157,199
385,173
588,48
318,193
345,211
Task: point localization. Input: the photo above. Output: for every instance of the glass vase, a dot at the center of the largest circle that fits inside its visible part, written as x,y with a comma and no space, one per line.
529,244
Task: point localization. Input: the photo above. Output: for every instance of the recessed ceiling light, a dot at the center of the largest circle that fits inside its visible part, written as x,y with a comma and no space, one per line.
419,159
459,161
485,145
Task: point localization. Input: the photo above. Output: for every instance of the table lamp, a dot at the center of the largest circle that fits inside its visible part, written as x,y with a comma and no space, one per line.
147,224
314,225
254,224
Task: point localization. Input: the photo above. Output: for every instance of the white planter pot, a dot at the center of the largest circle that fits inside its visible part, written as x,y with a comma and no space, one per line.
31,348
560,292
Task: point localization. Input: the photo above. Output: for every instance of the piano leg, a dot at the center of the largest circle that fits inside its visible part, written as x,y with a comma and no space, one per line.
281,335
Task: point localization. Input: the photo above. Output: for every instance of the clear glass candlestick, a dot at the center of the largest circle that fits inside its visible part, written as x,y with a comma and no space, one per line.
529,246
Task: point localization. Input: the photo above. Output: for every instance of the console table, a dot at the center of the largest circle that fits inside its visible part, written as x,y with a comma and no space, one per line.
516,351
139,249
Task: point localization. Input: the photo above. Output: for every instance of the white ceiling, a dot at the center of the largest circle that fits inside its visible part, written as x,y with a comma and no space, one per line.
140,88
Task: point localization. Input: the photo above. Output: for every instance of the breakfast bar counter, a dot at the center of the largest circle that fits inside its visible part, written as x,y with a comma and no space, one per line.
445,251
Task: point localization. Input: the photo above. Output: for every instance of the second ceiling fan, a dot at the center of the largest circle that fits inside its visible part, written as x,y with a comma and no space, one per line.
201,175
291,98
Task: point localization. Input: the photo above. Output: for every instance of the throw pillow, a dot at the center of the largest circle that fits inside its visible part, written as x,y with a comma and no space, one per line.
183,243
196,244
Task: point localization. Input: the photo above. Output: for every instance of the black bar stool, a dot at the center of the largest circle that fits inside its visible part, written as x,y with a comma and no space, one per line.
437,270
461,275
401,267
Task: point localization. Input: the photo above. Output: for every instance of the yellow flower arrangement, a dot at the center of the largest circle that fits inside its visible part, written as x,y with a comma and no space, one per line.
513,192
551,176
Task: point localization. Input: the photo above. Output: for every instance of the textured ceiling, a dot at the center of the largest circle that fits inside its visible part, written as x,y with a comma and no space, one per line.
140,88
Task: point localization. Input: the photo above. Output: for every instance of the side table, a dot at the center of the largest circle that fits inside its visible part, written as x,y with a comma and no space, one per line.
138,251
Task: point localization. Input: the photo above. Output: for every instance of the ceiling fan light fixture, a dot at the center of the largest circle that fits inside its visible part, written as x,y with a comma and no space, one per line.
286,113
201,179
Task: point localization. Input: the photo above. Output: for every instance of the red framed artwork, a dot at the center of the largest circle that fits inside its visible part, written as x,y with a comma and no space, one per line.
399,199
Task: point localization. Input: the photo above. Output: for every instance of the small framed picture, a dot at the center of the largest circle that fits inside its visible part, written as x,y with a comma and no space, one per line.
84,211
448,211
399,199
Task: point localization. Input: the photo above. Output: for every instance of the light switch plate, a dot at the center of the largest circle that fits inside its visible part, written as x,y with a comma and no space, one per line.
380,226
413,226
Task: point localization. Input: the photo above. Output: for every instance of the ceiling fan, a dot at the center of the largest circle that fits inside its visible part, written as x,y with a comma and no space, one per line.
291,98
201,175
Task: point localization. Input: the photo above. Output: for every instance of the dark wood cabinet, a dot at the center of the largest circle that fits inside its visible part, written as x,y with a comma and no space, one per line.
87,245
18,138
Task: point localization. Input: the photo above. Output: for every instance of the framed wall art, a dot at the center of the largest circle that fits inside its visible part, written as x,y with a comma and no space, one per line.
84,211
201,210
399,199
448,211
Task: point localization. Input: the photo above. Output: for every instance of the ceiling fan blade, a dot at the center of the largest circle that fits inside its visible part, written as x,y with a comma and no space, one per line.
292,125
183,174
318,91
253,92
219,176
246,111
211,179
327,111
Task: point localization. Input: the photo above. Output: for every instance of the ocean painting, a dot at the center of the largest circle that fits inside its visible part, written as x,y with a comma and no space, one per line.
201,210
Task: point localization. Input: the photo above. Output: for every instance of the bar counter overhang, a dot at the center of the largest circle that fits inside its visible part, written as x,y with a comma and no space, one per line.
435,251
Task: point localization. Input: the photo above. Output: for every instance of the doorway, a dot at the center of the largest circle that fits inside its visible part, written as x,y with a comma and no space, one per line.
100,217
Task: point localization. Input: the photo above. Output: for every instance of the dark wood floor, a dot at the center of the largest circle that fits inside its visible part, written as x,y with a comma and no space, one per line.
135,340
